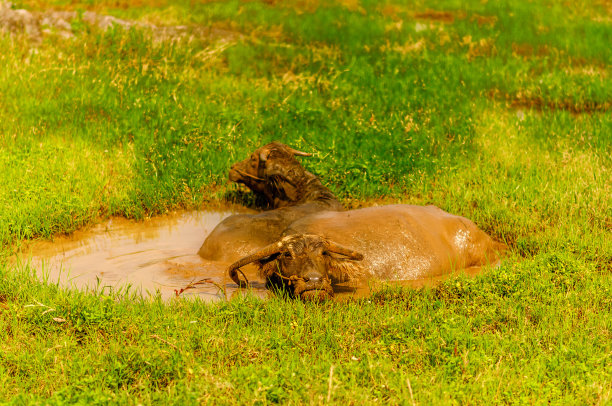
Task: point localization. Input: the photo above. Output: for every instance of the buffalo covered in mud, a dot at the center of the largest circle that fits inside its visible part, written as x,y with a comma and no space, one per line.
395,242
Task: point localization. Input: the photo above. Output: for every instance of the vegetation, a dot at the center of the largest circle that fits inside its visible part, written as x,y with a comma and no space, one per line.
499,111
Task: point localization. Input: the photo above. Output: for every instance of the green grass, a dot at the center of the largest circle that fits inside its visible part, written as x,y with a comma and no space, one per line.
498,111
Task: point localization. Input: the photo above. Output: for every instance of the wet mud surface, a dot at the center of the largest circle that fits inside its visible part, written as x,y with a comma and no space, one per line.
159,255
154,255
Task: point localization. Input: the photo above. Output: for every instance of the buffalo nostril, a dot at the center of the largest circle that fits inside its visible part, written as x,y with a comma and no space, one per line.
313,277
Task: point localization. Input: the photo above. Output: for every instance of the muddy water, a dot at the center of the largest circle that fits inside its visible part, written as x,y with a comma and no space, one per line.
157,256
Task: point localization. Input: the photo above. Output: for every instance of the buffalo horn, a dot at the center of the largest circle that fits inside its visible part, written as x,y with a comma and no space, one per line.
299,153
263,155
262,253
248,175
338,249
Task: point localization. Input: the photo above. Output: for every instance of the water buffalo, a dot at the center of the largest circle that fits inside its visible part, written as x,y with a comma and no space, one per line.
395,242
293,192
273,172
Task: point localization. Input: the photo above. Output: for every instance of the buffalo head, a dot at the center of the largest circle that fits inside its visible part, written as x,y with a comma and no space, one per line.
273,171
306,263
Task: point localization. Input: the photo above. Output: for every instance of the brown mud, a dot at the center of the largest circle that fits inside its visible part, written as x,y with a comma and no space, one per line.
154,255
159,256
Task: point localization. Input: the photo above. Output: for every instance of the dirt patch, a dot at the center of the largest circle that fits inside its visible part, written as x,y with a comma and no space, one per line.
519,101
536,103
436,15
38,24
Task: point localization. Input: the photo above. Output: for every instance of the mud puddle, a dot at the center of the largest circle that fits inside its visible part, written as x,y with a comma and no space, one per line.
154,255
159,255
